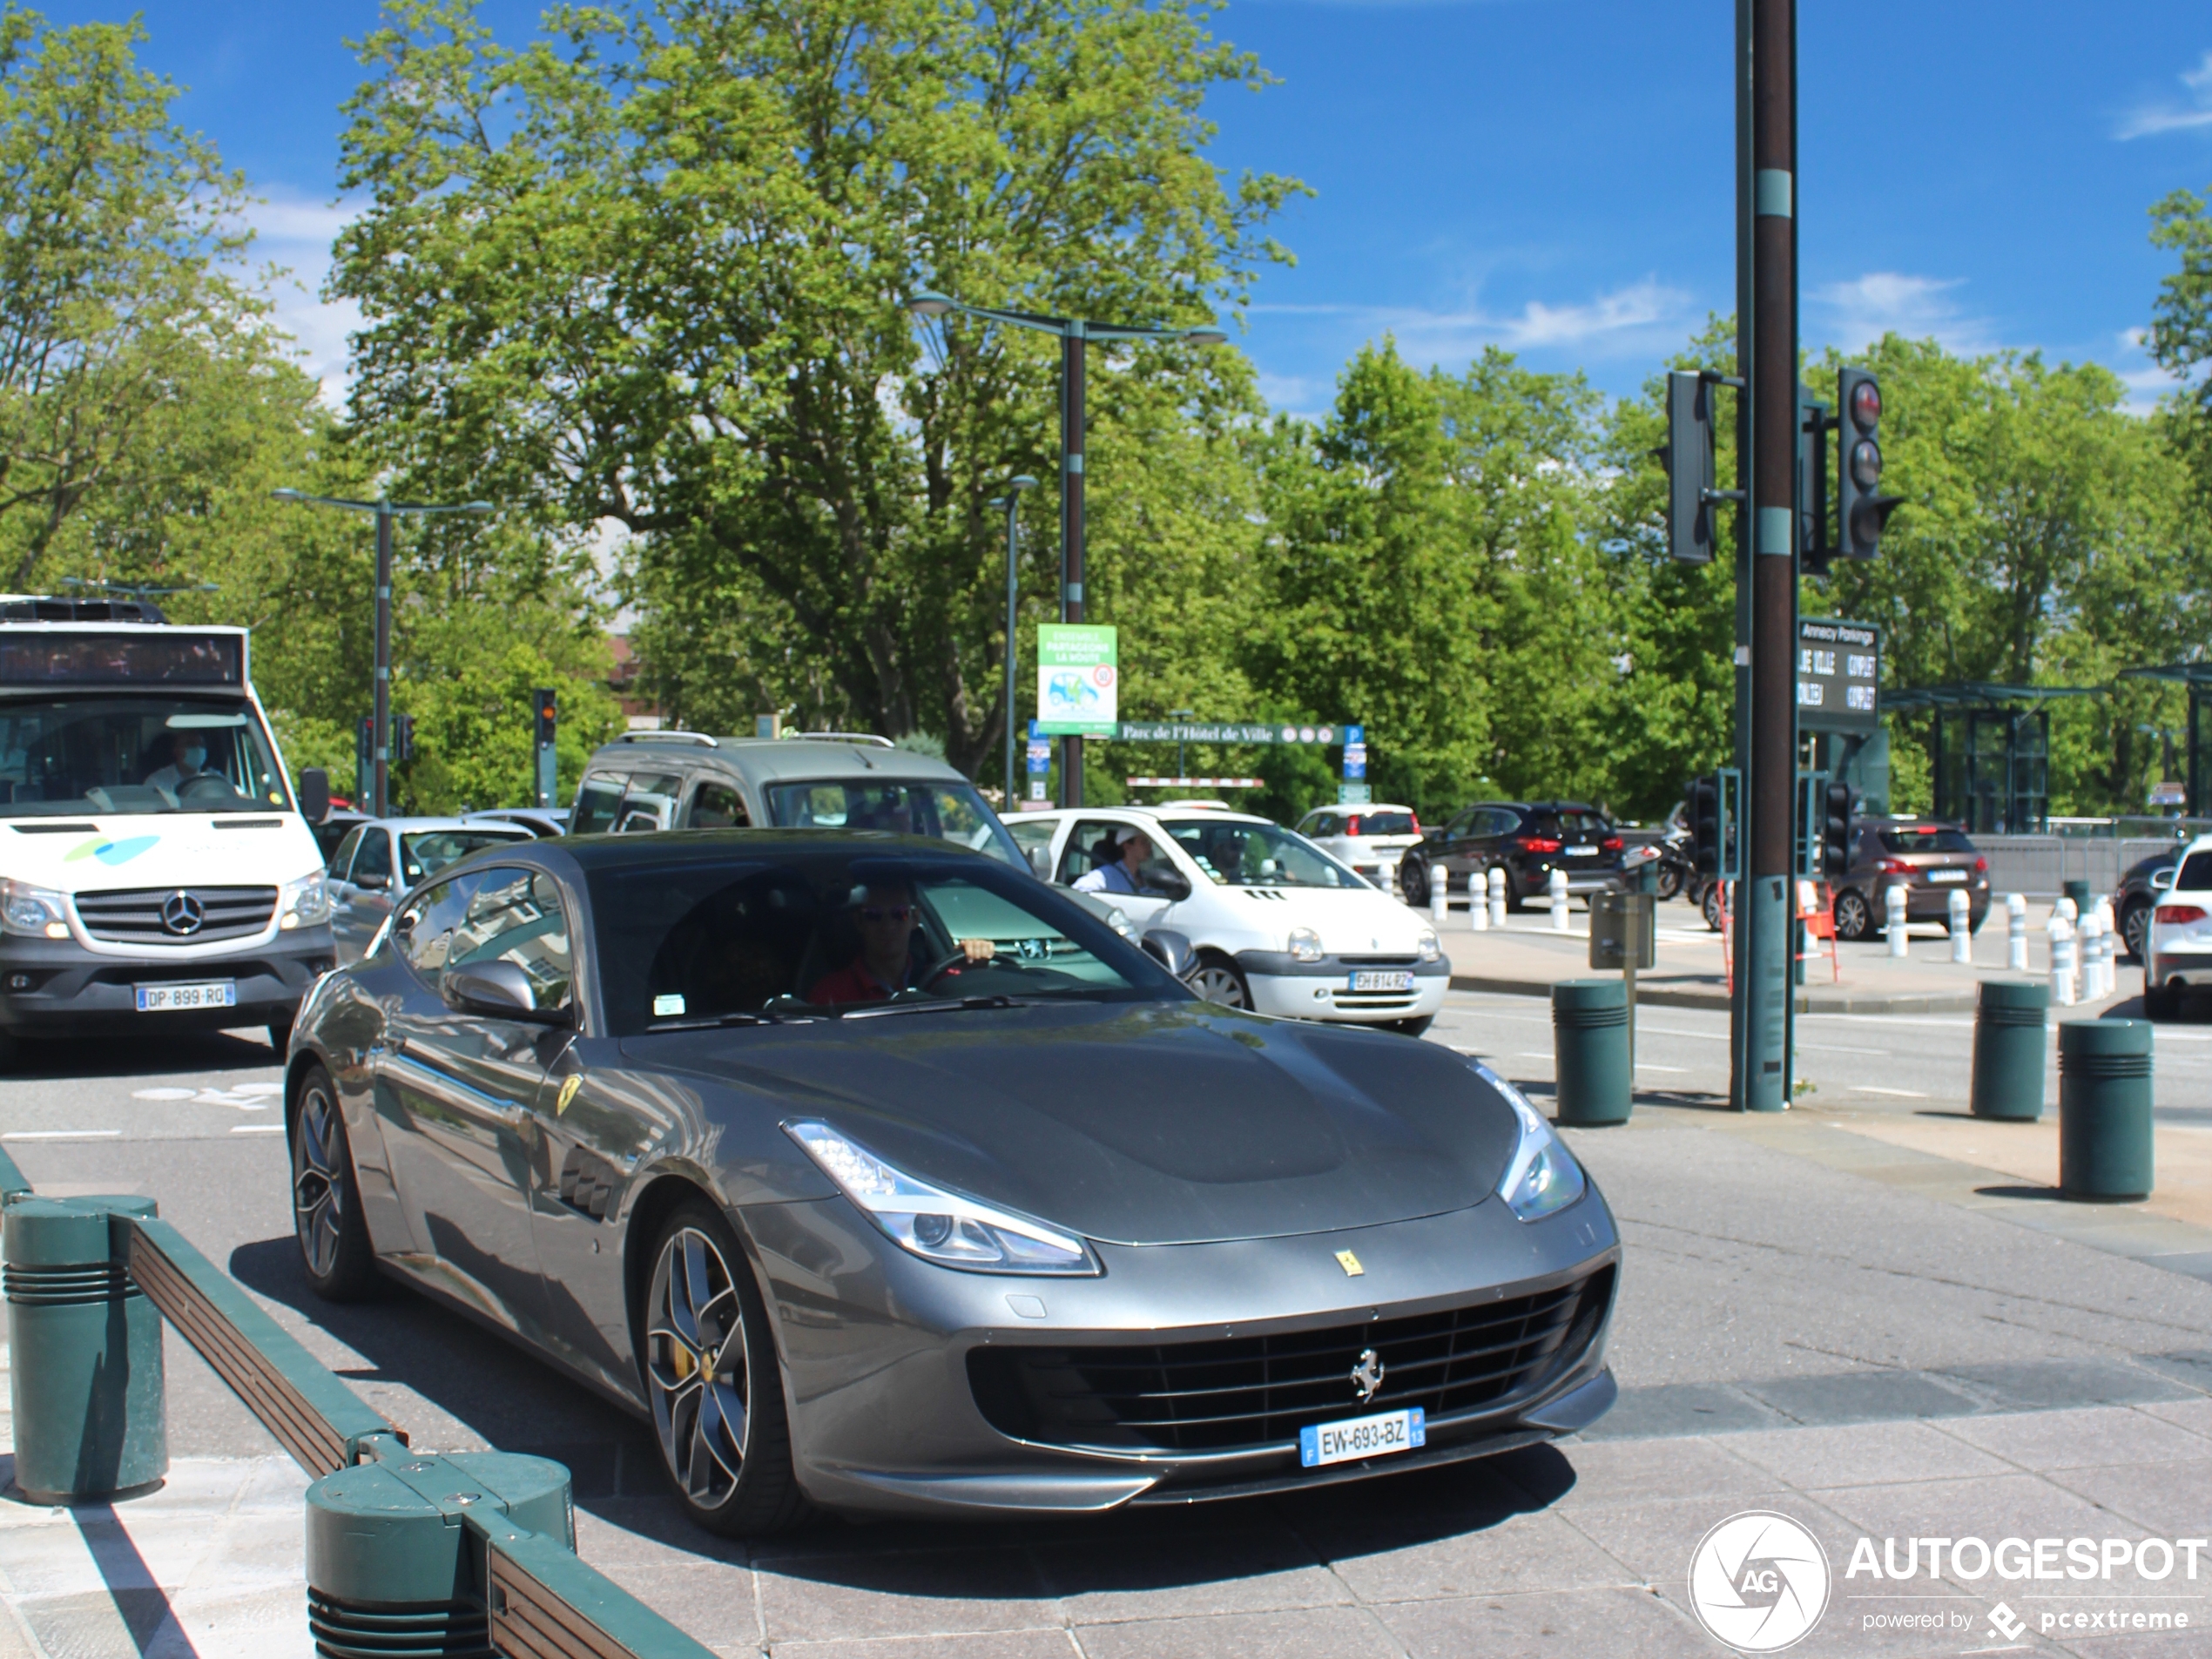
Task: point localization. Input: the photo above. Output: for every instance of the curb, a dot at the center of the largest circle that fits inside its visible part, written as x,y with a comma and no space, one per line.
1809,1002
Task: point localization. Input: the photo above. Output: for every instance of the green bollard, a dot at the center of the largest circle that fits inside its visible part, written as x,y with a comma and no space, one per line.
391,1569
2104,1110
2009,1029
85,1378
1591,1047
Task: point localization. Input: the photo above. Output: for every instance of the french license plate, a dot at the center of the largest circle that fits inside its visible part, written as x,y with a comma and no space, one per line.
1946,875
1582,852
1321,1444
1382,980
162,999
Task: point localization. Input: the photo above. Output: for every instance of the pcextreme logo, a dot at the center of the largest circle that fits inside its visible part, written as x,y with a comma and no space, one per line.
1758,1582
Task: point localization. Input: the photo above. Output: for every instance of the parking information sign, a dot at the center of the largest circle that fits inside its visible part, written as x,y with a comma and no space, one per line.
1078,681
1839,671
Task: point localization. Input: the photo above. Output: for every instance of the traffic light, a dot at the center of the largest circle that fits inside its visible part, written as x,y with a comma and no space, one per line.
364,763
402,738
1813,428
1861,508
1689,457
1706,828
543,704
1836,802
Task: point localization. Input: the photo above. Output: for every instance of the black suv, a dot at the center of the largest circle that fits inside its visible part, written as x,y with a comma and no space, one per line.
1527,839
2137,894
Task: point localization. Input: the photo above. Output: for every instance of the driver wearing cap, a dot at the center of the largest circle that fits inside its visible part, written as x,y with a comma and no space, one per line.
883,965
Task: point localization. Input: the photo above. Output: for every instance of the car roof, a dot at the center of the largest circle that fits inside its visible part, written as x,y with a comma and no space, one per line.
1360,806
445,823
1158,815
700,845
769,759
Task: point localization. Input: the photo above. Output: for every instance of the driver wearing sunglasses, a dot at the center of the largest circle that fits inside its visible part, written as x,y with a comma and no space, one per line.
883,965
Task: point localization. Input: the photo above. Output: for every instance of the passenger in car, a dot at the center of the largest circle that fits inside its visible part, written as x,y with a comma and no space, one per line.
883,965
1118,866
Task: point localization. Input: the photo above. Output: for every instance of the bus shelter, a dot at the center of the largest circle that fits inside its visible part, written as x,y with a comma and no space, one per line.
1992,750
2197,677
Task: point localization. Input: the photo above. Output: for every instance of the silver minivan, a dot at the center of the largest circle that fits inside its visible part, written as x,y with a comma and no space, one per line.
661,780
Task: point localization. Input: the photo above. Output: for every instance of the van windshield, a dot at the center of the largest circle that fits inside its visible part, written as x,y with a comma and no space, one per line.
943,811
65,757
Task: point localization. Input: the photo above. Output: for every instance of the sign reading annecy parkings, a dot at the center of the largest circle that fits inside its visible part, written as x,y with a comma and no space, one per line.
1839,671
1078,680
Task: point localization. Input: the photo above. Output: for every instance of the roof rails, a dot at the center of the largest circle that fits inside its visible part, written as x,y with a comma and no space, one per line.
845,736
699,739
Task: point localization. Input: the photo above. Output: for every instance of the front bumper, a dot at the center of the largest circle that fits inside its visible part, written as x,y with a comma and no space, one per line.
875,1346
54,988
1534,880
1284,986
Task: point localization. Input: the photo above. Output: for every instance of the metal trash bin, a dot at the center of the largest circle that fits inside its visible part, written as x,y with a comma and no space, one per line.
2079,892
2009,1027
2105,1109
1590,1051
85,1376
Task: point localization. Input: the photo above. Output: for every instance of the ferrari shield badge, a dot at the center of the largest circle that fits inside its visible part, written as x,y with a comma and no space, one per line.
1350,1263
568,1094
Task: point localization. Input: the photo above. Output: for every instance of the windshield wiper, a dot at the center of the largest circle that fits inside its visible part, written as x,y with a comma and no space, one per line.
937,1005
709,1023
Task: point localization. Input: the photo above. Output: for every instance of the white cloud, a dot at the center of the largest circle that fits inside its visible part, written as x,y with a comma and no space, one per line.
1862,310
295,232
2146,383
2195,114
1624,322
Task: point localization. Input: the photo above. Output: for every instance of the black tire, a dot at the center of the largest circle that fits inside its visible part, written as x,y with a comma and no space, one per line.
2161,1002
326,1220
1218,979
1513,892
280,1038
700,1301
2134,929
1709,902
1854,916
1415,1027
1412,882
1669,882
10,1053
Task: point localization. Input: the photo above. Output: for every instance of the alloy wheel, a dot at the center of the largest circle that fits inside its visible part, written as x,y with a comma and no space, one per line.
1218,984
318,1193
700,1372
1854,920
2134,929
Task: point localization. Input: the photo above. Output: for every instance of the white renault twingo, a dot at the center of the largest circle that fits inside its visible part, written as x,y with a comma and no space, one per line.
1280,927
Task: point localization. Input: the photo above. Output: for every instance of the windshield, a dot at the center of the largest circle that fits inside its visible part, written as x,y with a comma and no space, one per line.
1257,855
951,812
68,756
682,944
1381,824
1925,838
424,852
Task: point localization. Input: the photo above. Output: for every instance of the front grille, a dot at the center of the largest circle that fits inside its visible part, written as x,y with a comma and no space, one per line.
1379,961
133,915
1254,1391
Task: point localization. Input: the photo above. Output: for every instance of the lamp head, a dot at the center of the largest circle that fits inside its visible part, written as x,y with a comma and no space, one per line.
1211,334
1022,482
287,495
927,302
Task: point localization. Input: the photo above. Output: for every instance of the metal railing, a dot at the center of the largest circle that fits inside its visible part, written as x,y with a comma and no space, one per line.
535,1599
2039,866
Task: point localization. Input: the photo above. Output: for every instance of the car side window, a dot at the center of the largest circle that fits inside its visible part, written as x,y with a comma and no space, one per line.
375,858
1089,845
597,803
516,916
1464,823
648,804
718,806
423,931
343,860
1326,824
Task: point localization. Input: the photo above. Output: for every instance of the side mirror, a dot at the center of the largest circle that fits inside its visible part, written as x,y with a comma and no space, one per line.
497,988
1040,862
1171,950
2163,880
314,794
1158,875
373,883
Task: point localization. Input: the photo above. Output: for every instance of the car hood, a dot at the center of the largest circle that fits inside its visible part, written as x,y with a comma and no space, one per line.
1147,1124
1350,921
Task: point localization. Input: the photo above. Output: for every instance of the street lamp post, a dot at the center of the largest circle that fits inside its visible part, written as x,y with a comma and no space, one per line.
385,511
1179,715
1073,333
1012,501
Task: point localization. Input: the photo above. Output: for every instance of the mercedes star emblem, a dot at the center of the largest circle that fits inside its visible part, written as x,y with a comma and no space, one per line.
181,913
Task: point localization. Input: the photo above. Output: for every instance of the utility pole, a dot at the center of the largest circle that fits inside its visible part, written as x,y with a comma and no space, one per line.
1071,529
1012,502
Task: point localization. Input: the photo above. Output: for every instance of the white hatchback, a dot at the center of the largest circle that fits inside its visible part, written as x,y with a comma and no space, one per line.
1369,839
1279,926
2177,945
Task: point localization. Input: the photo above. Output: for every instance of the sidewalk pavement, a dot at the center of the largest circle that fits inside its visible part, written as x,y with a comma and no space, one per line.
1528,957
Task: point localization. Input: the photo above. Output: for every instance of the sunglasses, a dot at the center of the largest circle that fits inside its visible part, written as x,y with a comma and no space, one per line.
886,913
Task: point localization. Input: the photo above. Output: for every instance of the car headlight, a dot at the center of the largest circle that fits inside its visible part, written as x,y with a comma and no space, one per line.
36,912
1305,945
1542,1178
1431,947
939,1226
303,903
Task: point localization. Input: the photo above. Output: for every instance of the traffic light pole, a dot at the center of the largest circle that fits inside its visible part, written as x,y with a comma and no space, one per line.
379,775
1073,344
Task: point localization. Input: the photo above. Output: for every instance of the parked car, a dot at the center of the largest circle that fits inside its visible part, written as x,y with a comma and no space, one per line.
661,780
1045,1234
540,821
1369,839
337,825
1930,860
1527,839
2180,938
1277,925
2139,892
382,858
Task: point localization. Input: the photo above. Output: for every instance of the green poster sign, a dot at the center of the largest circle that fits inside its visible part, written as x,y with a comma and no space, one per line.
1078,680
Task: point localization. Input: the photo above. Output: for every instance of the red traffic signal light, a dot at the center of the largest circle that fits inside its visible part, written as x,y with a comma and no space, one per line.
1867,404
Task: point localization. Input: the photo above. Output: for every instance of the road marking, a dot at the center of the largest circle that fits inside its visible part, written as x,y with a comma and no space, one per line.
163,1093
257,1129
1901,1094
62,1135
1823,1048
1645,1065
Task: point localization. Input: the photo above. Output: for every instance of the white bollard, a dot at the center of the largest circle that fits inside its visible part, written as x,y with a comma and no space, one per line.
1559,901
2062,963
2015,932
2092,962
2109,949
1962,922
2068,910
1497,885
1895,922
1440,894
1478,913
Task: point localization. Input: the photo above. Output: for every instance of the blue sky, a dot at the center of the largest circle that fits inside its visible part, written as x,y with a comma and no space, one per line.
1548,177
